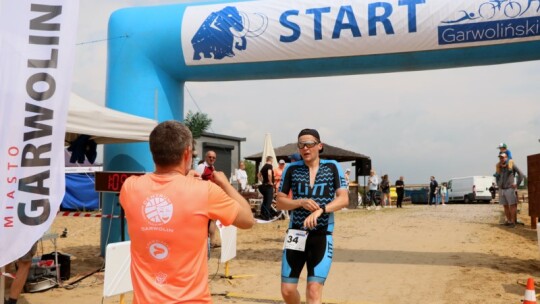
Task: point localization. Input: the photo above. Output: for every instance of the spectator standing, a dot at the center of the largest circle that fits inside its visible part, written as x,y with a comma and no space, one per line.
241,177
348,176
433,187
373,186
505,175
277,174
206,169
309,239
400,191
493,190
442,191
267,189
385,192
168,213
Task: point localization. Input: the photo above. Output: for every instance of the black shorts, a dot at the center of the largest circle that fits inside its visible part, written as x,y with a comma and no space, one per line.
317,256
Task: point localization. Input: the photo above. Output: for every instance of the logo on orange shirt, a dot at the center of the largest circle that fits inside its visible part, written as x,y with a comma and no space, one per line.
158,250
158,209
161,278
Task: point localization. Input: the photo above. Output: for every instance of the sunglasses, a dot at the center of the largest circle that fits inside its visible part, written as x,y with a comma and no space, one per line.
309,144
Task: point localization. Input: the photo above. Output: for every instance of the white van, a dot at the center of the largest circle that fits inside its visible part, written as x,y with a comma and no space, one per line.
470,189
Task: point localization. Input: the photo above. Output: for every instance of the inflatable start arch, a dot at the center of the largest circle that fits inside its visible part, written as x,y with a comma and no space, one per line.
162,47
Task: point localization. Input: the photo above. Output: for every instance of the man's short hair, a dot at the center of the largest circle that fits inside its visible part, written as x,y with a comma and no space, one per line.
269,158
168,141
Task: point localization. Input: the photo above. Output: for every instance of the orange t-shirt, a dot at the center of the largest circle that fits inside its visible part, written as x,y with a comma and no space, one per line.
278,172
167,220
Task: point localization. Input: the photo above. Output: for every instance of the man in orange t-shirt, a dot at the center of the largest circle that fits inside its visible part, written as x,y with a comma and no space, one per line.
167,213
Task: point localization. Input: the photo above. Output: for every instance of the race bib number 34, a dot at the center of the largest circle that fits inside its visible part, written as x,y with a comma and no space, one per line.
296,239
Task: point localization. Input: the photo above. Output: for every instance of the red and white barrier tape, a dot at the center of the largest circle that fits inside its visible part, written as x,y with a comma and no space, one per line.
86,214
8,275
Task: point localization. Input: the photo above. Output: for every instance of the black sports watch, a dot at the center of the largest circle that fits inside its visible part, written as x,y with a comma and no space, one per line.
324,209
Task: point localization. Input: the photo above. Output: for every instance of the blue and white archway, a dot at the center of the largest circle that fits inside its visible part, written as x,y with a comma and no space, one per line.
164,46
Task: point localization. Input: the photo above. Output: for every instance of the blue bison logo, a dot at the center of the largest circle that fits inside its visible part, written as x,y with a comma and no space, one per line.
223,29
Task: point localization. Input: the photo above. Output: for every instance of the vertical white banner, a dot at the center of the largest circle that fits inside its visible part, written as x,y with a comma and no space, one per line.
37,52
228,241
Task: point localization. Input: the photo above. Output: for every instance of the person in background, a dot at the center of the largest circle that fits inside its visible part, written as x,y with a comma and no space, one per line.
347,176
295,157
442,191
207,167
241,177
277,174
503,148
373,186
433,188
385,192
309,239
505,174
24,264
167,212
267,189
400,191
493,190
205,171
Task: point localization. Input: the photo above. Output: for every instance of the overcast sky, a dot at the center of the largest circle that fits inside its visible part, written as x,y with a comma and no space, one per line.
445,123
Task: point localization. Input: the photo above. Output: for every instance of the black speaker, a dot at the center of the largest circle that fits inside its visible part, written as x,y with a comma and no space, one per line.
363,166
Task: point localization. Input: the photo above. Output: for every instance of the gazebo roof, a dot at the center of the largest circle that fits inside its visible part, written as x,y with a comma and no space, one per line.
330,152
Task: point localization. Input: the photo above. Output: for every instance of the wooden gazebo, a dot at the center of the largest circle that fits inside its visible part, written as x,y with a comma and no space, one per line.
330,152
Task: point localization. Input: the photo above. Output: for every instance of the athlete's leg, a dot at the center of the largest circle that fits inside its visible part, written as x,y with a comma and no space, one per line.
318,265
314,293
292,263
290,294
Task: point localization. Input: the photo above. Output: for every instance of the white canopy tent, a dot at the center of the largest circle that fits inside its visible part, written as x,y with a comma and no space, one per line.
104,125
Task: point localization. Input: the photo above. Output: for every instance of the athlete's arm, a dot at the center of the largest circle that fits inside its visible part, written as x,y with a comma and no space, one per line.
340,201
283,202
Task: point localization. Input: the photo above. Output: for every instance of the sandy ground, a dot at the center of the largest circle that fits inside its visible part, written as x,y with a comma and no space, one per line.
418,254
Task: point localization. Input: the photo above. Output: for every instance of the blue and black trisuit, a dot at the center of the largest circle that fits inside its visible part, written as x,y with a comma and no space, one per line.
319,244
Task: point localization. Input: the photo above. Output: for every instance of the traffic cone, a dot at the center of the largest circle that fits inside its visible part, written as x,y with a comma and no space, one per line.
530,294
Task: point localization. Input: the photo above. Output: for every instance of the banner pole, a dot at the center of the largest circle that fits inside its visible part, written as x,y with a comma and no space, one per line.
227,269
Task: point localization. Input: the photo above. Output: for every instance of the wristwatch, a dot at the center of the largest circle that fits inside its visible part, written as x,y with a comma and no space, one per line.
324,209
